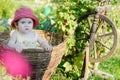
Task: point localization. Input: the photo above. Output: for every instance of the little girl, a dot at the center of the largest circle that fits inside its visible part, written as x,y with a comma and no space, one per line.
24,37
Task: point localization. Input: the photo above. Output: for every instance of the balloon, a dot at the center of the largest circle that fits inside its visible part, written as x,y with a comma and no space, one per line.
16,63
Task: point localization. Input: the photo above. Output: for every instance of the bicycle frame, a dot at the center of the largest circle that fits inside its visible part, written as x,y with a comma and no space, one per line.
103,9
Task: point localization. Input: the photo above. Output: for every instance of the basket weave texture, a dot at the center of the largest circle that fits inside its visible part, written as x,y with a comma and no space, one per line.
44,63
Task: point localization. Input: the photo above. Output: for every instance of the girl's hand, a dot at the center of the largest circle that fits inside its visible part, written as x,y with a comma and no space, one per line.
18,48
48,48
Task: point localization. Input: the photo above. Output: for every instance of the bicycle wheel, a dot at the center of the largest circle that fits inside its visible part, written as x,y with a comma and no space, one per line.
105,41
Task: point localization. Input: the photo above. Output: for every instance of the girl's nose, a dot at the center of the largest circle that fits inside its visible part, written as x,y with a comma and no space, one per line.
26,25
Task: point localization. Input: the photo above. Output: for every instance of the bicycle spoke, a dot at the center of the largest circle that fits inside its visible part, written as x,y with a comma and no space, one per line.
99,25
104,35
89,22
103,44
95,54
81,38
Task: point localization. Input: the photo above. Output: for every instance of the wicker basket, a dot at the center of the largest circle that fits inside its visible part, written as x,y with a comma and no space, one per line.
44,63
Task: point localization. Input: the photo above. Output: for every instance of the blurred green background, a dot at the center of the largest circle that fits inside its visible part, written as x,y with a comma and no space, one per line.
60,11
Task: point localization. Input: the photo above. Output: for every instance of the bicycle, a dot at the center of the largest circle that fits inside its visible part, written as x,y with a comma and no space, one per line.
99,31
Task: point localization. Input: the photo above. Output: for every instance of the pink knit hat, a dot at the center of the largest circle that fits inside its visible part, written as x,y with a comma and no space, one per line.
24,13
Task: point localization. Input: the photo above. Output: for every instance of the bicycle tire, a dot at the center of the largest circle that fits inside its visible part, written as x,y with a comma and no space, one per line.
82,24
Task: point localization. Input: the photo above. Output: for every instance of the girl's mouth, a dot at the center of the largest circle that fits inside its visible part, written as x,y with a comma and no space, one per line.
26,29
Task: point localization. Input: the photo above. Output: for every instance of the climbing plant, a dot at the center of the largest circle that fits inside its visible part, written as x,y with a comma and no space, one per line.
66,15
7,8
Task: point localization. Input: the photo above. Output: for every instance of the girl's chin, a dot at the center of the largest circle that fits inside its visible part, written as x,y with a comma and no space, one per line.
26,32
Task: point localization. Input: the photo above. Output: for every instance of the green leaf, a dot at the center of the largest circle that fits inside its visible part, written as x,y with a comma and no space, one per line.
68,66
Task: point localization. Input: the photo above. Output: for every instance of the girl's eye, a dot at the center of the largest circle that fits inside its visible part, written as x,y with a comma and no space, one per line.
30,22
23,22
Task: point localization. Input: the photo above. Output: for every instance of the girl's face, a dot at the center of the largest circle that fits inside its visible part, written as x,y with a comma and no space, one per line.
25,25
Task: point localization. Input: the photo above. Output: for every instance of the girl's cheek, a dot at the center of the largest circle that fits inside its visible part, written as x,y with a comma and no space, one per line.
21,25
